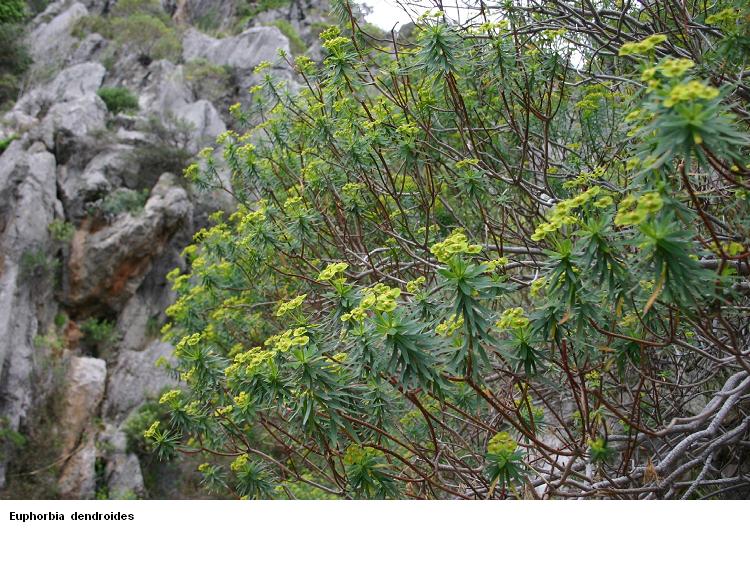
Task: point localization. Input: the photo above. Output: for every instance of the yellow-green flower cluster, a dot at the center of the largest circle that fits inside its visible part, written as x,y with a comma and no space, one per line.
469,162
380,297
502,444
599,449
561,213
593,378
262,67
428,15
352,188
187,341
485,27
415,416
250,219
352,194
206,152
336,44
178,280
246,153
330,32
332,270
222,411
633,211
248,362
193,409
733,248
493,264
592,101
408,130
356,454
204,467
304,64
629,320
235,110
725,17
690,92
634,116
432,230
240,463
416,285
643,47
537,413
585,177
223,137
284,308
450,325
294,205
730,248
537,285
151,431
288,340
358,314
242,400
674,67
192,172
454,244
513,318
170,396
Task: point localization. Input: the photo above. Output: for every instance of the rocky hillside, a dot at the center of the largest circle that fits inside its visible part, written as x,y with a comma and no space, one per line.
94,214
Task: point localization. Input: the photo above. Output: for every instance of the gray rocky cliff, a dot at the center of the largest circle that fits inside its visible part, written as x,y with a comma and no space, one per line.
93,214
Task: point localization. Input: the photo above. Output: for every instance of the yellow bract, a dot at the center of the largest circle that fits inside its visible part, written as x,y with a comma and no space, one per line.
513,318
284,308
561,215
170,396
240,463
332,270
242,400
288,340
152,430
450,326
415,285
690,92
675,68
192,172
454,244
221,411
493,264
648,203
537,285
502,444
643,47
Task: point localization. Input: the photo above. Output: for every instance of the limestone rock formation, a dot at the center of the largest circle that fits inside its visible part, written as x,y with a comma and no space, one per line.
83,393
243,52
50,41
106,265
69,253
136,378
78,476
28,204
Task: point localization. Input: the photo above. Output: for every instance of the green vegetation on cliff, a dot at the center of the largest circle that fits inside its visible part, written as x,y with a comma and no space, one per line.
507,261
14,58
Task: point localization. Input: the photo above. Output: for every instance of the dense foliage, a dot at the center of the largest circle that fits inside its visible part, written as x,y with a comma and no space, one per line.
118,99
139,27
14,58
507,260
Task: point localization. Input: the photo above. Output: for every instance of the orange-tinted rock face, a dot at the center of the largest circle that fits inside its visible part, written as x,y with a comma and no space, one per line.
107,265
